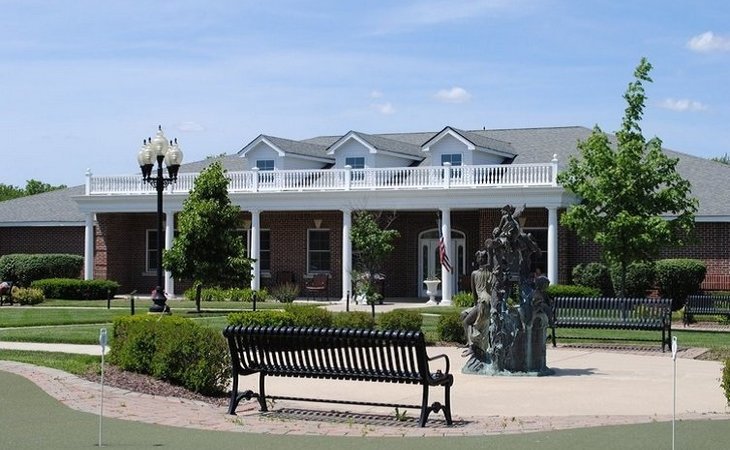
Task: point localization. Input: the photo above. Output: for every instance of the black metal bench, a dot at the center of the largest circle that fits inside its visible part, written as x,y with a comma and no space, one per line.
712,305
6,292
653,314
338,354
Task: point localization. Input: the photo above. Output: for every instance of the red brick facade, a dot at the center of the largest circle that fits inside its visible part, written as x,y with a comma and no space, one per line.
120,245
42,240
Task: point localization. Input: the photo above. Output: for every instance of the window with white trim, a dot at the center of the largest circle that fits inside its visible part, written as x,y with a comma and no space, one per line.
318,250
151,250
356,162
452,158
265,164
264,247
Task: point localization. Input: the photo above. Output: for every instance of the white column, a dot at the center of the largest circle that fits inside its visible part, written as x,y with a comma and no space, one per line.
552,245
446,276
89,247
346,253
255,252
169,235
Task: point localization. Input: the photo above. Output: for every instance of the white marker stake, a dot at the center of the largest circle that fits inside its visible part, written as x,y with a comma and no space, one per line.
674,404
102,342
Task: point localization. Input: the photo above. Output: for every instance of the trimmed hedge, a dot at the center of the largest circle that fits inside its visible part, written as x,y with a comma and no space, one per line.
216,294
678,278
27,296
570,290
595,275
450,328
271,318
26,268
173,349
400,319
75,289
639,279
353,319
463,299
309,315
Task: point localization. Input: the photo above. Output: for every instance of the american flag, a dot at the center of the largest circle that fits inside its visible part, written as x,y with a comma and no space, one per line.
443,256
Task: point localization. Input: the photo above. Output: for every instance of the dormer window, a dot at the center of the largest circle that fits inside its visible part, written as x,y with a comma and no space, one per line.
355,162
452,158
265,164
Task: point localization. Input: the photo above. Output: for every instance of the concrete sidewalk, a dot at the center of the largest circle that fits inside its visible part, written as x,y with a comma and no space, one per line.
590,388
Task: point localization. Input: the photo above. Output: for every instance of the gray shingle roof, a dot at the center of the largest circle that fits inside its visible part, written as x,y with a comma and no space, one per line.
391,145
55,207
299,147
532,145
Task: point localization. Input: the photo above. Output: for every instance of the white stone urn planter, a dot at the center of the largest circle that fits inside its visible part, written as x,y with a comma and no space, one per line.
431,288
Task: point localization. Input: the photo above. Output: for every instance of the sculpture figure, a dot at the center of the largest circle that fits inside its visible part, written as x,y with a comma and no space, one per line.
502,336
476,318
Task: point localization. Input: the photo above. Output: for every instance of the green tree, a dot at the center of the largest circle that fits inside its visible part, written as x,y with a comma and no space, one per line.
372,242
725,159
208,249
32,187
632,200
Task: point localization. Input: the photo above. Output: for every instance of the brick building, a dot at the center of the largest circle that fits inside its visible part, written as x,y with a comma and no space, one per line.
297,200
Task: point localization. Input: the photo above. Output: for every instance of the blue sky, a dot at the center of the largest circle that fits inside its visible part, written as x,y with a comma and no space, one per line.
83,82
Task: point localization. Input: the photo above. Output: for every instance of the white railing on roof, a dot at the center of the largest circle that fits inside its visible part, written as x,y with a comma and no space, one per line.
391,178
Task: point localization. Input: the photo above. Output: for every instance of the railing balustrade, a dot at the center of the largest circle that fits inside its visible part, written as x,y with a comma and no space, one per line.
431,177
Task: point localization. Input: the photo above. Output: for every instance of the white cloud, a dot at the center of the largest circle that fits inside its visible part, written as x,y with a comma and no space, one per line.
376,94
453,95
709,42
384,108
682,105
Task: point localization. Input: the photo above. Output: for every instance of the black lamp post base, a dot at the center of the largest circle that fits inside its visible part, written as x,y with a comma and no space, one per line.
159,302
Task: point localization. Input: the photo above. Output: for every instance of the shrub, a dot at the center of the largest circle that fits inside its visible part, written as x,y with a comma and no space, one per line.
725,383
678,278
285,292
173,349
400,319
309,316
27,296
639,279
26,268
75,289
595,275
570,290
264,318
353,319
450,328
216,294
463,299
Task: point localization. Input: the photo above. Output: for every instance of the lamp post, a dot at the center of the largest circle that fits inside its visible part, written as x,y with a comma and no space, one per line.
158,148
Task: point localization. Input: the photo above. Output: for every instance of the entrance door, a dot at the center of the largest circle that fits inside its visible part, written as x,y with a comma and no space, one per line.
429,263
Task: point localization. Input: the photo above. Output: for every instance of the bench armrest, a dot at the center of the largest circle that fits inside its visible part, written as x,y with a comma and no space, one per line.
446,358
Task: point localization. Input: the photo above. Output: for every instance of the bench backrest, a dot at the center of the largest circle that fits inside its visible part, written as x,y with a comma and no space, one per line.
707,303
329,352
597,309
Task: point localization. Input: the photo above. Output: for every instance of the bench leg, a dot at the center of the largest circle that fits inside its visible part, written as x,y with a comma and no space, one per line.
447,404
553,333
235,397
425,409
262,393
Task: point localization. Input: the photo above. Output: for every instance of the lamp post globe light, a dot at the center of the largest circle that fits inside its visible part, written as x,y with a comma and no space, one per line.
160,150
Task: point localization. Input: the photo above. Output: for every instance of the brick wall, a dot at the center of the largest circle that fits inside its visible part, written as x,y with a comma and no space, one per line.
120,245
42,240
